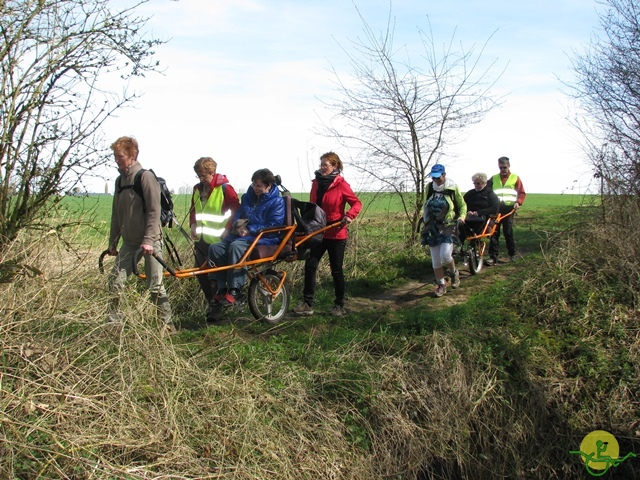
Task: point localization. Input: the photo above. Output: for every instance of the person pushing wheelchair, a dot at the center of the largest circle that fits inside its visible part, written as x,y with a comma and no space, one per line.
510,191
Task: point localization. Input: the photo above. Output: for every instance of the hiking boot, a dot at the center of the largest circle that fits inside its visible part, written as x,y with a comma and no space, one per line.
304,309
338,311
440,290
214,312
117,317
168,329
455,279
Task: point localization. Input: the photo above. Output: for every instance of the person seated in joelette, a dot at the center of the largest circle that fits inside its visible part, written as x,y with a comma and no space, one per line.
482,202
261,207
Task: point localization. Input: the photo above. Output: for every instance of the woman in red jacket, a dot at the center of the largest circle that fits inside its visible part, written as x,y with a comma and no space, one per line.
332,193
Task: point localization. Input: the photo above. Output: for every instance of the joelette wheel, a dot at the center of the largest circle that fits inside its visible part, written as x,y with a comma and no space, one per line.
263,304
474,258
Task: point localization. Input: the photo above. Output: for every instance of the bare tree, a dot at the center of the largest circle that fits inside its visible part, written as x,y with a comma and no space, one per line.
398,117
607,89
53,56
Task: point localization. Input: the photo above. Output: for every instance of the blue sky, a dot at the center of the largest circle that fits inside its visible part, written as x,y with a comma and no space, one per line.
244,80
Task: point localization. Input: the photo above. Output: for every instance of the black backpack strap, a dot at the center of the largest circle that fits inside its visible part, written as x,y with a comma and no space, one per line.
136,186
452,196
137,183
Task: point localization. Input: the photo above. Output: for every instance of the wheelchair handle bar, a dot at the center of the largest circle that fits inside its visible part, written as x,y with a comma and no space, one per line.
136,260
101,260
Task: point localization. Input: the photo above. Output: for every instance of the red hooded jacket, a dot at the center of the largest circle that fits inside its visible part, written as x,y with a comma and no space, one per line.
337,196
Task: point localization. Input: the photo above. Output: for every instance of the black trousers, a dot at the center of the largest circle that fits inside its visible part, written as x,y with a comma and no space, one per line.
507,229
335,249
201,251
471,226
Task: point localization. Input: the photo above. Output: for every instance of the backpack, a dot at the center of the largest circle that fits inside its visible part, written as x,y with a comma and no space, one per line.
450,193
309,218
166,202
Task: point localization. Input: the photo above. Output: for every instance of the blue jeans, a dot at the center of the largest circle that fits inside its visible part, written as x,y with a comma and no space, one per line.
229,253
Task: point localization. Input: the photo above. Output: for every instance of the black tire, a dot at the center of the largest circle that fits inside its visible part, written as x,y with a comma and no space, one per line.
474,259
262,304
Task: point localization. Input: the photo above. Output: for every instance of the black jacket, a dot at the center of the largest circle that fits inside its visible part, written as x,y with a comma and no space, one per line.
485,201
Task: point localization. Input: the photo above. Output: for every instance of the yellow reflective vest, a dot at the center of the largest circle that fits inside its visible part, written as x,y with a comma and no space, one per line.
507,193
210,221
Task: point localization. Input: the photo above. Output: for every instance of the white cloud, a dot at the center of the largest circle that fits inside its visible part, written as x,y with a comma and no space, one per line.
243,76
533,133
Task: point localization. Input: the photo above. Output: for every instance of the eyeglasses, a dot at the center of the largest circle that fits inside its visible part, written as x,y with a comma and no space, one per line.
503,167
478,183
325,165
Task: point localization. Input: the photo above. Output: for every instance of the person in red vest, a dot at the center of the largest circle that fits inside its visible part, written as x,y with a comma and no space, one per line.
509,189
213,203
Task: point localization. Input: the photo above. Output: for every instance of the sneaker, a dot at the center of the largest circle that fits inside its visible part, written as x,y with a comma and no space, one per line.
512,258
338,311
491,261
455,279
440,290
220,295
232,297
304,309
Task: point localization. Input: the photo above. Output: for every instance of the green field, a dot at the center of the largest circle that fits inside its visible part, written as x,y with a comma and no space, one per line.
98,207
381,220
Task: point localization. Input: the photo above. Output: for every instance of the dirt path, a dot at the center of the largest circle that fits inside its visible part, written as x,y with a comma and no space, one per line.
414,292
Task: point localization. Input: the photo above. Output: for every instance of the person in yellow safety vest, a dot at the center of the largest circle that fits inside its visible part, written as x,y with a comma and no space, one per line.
509,189
213,203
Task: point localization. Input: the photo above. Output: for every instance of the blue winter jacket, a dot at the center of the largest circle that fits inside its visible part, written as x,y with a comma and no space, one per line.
263,212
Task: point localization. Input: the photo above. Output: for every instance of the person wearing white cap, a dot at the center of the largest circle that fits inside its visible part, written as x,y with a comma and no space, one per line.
443,209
